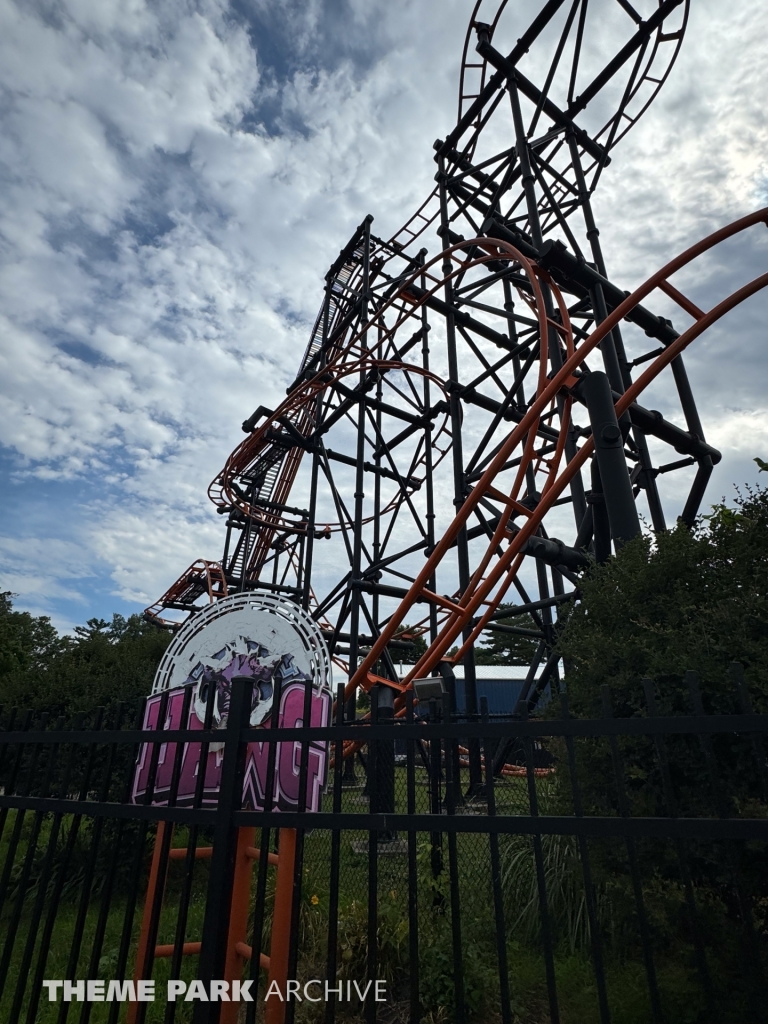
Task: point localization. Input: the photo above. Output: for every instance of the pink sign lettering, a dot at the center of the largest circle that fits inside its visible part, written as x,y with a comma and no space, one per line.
285,796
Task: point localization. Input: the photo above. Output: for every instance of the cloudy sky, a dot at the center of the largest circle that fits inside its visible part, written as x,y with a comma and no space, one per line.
177,176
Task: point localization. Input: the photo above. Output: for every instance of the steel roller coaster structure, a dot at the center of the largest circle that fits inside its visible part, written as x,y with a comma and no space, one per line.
452,412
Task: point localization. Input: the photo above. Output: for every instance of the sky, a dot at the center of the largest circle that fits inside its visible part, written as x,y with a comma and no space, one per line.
176,177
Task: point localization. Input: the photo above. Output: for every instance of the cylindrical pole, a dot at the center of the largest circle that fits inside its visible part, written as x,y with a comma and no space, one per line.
609,453
238,918
383,791
281,928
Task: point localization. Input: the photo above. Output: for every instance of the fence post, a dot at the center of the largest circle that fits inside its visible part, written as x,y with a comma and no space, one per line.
218,901
382,792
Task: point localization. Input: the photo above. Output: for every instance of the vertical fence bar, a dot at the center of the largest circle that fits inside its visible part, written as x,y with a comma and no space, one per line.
290,1009
498,899
240,906
723,810
435,800
98,827
153,899
18,749
385,758
453,872
333,894
4,750
373,876
48,868
117,854
145,956
736,672
413,905
219,893
589,890
136,867
682,860
189,859
634,869
261,881
18,822
37,822
77,937
541,882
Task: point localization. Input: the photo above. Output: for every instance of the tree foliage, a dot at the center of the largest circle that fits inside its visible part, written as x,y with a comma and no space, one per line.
409,635
27,643
500,648
103,663
690,600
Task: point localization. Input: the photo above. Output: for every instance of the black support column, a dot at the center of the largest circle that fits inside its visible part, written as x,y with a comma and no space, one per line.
611,463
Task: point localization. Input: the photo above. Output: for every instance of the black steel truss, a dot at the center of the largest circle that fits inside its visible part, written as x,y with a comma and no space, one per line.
418,368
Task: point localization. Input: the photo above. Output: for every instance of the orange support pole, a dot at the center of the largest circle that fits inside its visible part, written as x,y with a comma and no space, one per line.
238,951
281,925
154,880
238,918
246,952
188,949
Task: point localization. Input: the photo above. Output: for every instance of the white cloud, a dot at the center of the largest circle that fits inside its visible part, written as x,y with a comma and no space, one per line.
743,431
162,251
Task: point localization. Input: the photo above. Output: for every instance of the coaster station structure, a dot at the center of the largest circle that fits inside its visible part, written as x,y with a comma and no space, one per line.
455,410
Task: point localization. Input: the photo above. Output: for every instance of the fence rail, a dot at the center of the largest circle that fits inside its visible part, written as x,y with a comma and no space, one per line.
627,881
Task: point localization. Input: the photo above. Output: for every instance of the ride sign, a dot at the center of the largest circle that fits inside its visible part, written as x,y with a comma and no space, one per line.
271,641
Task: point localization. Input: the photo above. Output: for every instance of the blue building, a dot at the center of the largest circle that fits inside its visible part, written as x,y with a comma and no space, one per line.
500,684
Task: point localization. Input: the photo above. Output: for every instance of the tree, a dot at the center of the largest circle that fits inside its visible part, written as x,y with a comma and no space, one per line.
501,648
690,600
409,635
28,643
103,663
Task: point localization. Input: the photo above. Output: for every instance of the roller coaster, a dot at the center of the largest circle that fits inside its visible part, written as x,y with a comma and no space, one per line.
465,435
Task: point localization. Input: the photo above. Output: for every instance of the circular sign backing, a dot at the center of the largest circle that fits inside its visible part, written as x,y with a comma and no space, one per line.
256,634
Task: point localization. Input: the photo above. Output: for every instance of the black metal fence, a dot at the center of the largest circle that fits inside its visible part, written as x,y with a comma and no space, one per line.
626,882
